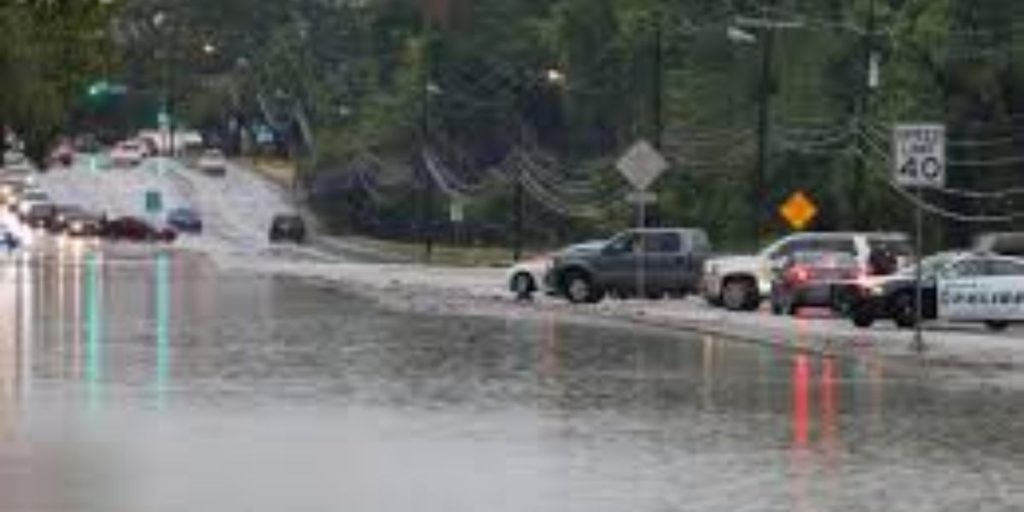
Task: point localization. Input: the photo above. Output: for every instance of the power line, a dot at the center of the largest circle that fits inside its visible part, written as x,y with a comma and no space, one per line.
934,209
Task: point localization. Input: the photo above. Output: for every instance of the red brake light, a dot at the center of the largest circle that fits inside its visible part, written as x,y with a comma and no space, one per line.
799,274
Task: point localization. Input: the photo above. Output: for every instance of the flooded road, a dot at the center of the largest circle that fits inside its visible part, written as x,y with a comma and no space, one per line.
137,380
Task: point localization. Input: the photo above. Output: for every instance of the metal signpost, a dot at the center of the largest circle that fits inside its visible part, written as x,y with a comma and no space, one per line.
920,151
154,204
457,215
642,165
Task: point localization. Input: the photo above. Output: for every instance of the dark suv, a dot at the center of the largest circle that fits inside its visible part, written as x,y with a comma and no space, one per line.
288,228
649,262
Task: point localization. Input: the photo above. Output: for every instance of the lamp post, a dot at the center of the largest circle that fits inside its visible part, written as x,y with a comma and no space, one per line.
160,22
767,89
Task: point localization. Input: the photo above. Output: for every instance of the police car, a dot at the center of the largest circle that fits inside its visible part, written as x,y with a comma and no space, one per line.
956,287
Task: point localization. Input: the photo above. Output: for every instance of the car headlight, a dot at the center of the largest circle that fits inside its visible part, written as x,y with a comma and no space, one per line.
77,226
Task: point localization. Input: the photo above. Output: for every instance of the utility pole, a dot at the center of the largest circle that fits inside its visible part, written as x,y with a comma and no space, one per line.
868,83
517,247
427,220
658,79
763,125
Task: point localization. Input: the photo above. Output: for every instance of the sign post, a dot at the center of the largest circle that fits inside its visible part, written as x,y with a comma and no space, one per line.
642,165
920,162
457,215
154,204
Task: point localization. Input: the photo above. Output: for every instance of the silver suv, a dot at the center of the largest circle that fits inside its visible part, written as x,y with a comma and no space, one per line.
741,283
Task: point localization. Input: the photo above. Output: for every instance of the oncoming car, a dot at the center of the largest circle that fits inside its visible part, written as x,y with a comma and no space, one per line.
213,163
957,287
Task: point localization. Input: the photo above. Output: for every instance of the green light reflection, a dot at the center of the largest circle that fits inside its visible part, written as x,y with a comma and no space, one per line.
163,309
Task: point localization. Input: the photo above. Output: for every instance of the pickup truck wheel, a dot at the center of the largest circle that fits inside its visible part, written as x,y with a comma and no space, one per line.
579,289
739,295
997,325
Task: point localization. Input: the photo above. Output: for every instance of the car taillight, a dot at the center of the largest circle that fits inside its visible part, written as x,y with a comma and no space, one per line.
799,275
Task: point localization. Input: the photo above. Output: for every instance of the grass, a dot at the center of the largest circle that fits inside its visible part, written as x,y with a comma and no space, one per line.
282,171
445,254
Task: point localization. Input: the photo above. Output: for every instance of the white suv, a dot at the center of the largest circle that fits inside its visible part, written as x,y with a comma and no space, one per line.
740,283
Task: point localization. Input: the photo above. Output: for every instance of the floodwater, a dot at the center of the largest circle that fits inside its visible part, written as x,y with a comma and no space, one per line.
137,380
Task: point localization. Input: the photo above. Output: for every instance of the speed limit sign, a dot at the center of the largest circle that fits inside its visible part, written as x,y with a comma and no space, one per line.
920,155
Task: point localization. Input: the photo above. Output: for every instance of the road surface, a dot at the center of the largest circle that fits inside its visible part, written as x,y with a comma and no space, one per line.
151,380
167,379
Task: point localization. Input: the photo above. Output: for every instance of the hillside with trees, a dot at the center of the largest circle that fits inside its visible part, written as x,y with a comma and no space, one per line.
395,110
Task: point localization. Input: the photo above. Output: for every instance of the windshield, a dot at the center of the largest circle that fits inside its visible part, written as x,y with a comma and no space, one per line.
932,265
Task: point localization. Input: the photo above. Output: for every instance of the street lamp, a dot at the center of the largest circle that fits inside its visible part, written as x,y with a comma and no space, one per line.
738,34
555,76
209,49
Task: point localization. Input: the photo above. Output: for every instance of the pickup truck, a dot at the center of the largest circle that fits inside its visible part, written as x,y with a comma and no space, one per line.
741,283
653,262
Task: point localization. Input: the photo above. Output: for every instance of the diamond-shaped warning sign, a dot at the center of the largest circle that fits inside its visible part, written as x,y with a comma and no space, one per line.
642,165
799,210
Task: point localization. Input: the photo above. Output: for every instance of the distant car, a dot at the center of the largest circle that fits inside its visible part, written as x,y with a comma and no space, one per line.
806,279
8,240
80,223
959,287
28,197
185,220
63,154
213,163
61,215
150,147
10,190
527,277
136,230
40,215
288,228
128,154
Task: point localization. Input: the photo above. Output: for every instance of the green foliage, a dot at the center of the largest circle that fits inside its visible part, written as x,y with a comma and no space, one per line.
49,52
574,81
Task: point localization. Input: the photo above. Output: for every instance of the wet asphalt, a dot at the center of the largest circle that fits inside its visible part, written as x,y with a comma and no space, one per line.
147,380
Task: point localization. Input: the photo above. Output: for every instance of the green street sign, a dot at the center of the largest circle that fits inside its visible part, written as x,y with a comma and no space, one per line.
154,201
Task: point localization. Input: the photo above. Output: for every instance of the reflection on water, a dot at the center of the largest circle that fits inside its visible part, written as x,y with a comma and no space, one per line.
199,390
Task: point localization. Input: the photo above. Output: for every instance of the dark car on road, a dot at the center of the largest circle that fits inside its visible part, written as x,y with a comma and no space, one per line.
288,228
63,212
651,262
807,279
40,216
136,230
185,220
81,223
8,240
